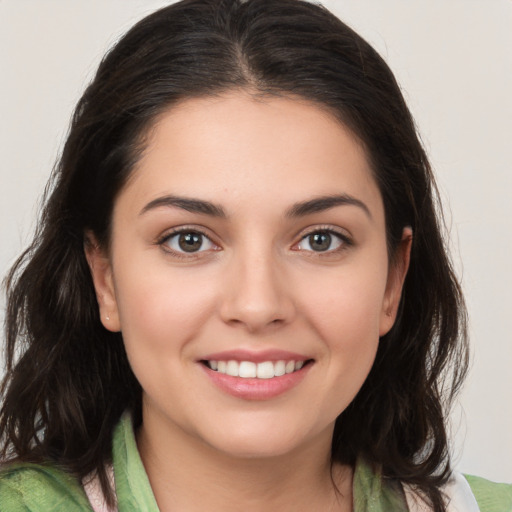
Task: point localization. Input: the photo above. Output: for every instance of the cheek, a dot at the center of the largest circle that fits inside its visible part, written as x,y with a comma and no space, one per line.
352,340
349,326
160,308
161,313
346,305
344,309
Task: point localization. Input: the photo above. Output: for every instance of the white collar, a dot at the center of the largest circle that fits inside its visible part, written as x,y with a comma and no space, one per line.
458,494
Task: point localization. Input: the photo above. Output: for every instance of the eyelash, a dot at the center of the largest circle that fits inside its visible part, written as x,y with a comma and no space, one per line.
344,241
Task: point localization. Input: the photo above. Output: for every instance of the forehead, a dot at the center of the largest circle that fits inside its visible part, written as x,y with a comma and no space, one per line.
236,148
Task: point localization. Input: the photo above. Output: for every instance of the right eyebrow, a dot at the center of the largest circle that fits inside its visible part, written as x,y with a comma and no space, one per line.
186,203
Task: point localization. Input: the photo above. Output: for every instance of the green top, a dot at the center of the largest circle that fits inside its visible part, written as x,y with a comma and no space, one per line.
36,488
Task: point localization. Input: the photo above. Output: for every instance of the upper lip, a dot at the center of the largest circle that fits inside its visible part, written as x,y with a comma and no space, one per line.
255,356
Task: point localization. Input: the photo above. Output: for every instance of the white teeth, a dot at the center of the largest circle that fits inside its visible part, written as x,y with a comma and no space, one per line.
247,370
232,368
279,368
290,367
250,370
265,370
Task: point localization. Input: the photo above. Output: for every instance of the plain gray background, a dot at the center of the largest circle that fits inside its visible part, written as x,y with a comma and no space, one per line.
453,61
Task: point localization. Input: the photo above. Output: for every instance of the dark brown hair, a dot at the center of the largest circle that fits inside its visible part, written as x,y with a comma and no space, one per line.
68,379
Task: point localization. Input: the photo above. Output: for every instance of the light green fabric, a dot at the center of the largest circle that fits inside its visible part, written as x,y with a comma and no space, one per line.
34,488
490,496
372,493
133,491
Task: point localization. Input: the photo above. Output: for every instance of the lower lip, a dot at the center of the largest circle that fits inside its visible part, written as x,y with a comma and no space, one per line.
256,389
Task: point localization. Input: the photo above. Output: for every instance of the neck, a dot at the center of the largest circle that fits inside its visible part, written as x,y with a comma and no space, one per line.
186,474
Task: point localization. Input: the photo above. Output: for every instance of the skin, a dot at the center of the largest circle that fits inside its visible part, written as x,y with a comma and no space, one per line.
256,284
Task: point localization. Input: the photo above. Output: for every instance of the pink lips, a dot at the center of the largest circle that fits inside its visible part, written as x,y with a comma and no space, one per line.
254,388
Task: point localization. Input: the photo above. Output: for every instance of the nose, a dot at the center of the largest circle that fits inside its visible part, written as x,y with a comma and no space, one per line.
257,294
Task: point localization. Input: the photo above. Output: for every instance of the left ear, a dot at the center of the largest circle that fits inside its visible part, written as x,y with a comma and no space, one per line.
396,277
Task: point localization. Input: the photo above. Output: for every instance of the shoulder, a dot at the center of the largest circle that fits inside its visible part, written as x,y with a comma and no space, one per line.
32,487
491,496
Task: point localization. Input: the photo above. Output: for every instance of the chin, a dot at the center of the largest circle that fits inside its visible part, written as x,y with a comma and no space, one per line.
250,448
263,440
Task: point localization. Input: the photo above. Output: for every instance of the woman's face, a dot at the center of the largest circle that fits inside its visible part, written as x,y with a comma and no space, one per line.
250,241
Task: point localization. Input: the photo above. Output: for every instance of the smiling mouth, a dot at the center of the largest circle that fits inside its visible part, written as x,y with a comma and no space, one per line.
251,370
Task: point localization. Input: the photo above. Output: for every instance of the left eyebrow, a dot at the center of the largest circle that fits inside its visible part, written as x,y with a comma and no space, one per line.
320,204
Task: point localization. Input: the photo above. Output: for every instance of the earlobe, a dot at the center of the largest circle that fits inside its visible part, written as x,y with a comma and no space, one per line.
101,272
396,277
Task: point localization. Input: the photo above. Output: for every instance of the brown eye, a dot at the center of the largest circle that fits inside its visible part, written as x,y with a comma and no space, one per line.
188,242
322,241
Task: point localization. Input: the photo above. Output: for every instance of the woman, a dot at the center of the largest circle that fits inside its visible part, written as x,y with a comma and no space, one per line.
238,280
